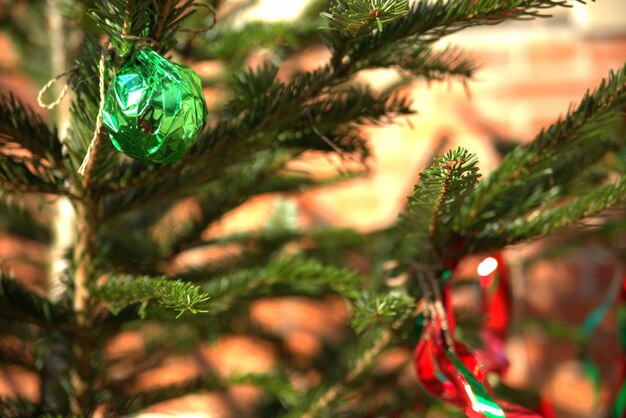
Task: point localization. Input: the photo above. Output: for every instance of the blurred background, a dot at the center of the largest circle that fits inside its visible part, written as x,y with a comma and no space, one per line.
530,73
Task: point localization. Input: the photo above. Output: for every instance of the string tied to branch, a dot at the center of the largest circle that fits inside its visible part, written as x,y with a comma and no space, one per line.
96,135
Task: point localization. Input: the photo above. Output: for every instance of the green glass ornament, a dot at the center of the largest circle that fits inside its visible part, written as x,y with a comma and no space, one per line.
154,109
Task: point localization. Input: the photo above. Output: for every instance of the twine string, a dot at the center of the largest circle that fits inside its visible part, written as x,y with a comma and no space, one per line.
50,83
96,134
213,13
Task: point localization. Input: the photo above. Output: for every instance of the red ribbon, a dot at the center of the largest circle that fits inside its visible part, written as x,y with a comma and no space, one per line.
496,306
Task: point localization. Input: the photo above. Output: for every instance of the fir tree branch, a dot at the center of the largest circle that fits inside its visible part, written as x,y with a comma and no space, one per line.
19,303
356,17
431,20
527,176
17,407
435,200
356,105
216,201
20,124
124,22
421,60
167,22
276,384
120,292
165,10
364,357
382,310
28,174
302,273
126,404
27,188
549,219
234,45
326,244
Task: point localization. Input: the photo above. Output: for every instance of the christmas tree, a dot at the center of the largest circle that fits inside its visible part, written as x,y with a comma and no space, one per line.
138,147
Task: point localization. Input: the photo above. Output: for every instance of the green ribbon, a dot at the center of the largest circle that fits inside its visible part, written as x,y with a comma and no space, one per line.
591,322
482,401
620,403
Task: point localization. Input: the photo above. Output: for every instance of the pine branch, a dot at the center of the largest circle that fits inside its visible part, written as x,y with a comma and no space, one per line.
127,22
29,175
167,22
120,292
298,273
382,310
355,362
534,173
124,21
213,204
421,60
443,187
126,404
357,17
547,220
325,244
276,384
431,20
21,125
17,408
251,85
18,303
355,105
217,200
234,45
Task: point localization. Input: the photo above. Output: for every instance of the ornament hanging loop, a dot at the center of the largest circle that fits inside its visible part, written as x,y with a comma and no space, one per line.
213,13
69,73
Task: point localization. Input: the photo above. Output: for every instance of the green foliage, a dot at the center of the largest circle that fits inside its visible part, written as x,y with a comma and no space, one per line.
16,407
355,17
276,384
430,212
353,363
305,275
421,60
20,124
251,85
428,21
23,223
154,22
124,20
126,404
383,310
119,292
127,212
532,177
20,304
233,46
551,219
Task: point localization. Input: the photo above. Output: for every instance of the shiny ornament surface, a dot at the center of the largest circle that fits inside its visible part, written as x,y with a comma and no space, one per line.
154,109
